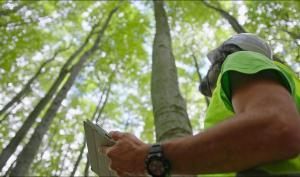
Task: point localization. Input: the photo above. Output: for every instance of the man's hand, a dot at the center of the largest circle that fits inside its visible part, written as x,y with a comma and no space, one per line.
127,155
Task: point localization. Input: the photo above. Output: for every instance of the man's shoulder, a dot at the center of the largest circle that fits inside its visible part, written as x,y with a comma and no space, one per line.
247,62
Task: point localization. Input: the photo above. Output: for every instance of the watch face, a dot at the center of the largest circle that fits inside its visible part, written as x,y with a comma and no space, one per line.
156,167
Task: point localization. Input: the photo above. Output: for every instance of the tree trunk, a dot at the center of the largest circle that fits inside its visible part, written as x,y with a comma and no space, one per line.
78,159
104,103
5,116
169,108
27,86
61,167
87,165
232,20
99,107
30,120
199,76
29,151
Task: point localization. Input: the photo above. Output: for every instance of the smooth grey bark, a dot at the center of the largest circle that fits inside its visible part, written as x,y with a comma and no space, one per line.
25,158
232,20
27,86
104,103
5,116
169,108
30,120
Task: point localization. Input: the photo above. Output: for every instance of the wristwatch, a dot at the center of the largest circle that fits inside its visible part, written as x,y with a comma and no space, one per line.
156,164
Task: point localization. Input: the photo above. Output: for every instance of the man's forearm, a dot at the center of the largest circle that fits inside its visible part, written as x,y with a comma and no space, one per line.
239,143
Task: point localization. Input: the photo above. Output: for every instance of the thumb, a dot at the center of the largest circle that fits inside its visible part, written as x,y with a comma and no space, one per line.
115,135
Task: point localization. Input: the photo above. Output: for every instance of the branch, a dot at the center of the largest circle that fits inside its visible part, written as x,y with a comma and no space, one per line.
199,76
292,34
27,86
6,12
232,20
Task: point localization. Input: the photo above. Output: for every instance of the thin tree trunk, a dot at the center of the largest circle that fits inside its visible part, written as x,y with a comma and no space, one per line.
295,36
169,108
16,140
104,103
106,92
27,86
5,116
199,76
63,163
29,151
78,159
87,165
232,20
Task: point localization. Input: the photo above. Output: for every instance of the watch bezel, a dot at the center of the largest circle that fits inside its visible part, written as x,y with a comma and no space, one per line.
157,155
164,163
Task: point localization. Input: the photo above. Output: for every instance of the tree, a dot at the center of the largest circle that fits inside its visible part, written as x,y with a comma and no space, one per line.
169,109
98,111
233,22
27,86
25,158
32,32
16,140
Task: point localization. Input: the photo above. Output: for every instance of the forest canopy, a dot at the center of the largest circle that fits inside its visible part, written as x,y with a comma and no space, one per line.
62,62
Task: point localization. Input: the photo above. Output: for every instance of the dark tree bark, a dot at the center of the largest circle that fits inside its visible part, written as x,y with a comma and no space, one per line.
30,120
7,173
199,76
87,166
78,159
27,86
29,151
169,108
232,20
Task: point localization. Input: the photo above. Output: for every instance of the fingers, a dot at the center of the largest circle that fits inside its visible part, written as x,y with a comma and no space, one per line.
103,149
115,135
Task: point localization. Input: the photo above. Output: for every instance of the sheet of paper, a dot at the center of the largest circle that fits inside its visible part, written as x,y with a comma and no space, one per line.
97,137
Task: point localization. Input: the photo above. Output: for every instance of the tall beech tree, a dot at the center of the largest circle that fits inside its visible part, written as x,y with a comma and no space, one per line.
41,105
96,115
27,86
169,108
37,114
25,158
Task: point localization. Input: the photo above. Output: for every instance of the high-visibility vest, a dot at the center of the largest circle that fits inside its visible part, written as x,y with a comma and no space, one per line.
220,107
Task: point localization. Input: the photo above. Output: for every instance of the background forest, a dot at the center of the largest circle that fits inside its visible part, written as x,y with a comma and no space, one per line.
62,62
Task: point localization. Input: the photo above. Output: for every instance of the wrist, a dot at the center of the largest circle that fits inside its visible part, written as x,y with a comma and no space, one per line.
142,155
156,163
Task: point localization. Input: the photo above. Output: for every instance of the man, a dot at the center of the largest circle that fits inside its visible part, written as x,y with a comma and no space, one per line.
252,123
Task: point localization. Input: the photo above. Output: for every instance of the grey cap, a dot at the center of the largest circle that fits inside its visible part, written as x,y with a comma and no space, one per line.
247,42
